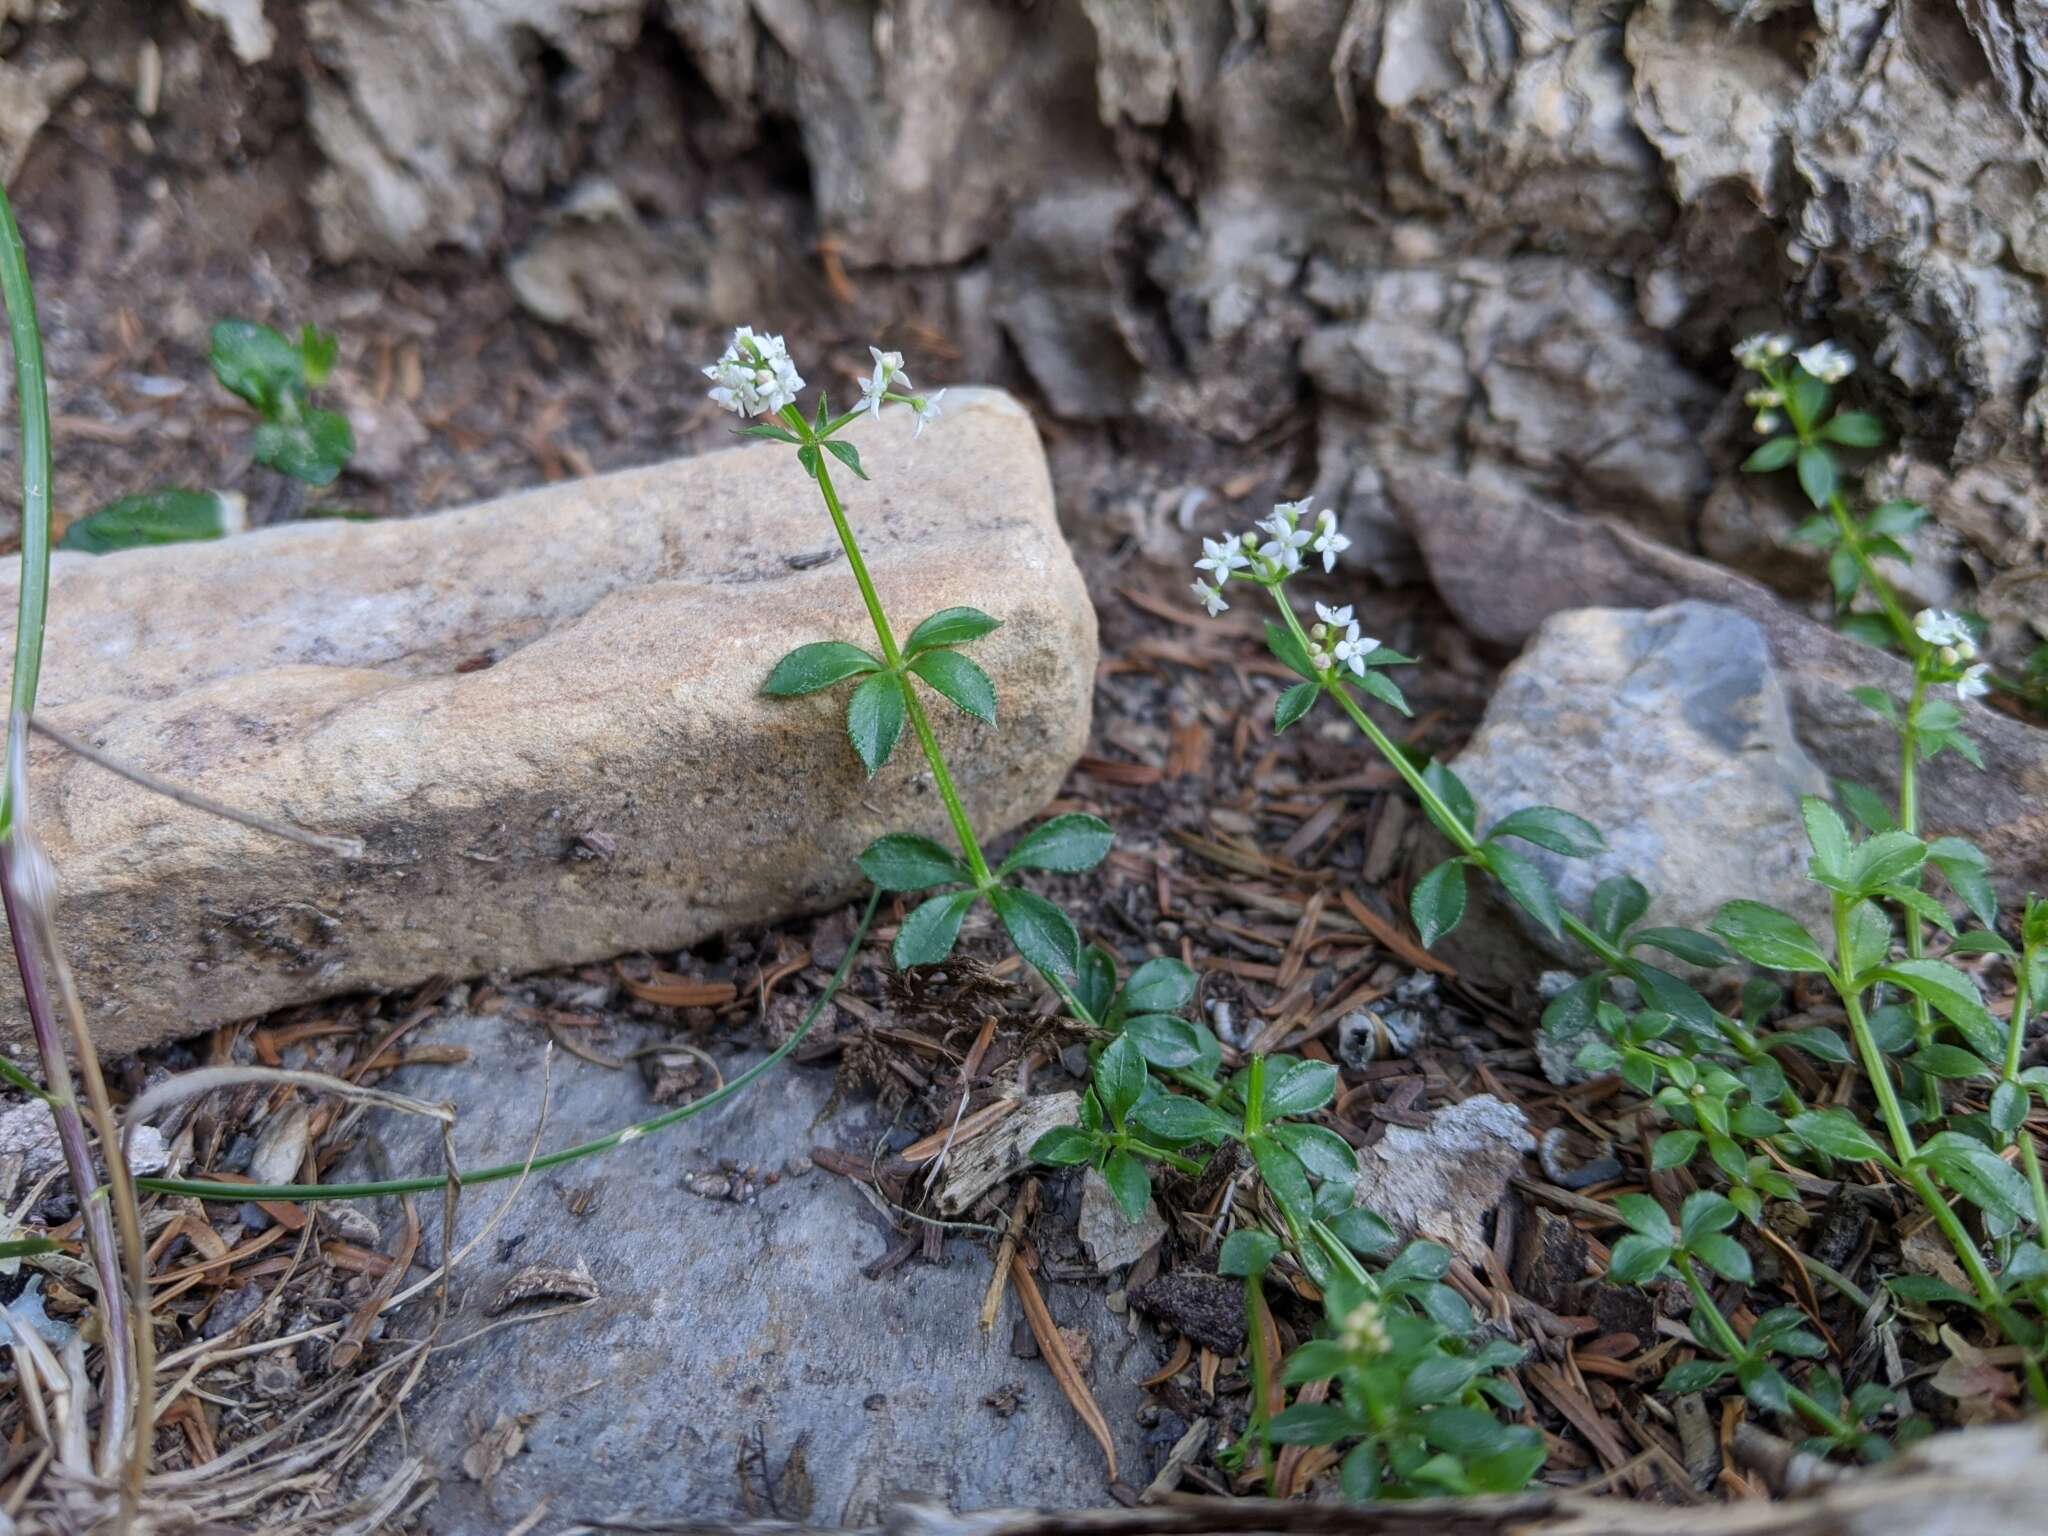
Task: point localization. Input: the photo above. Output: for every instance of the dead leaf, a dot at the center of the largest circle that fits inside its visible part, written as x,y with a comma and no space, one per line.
489,1452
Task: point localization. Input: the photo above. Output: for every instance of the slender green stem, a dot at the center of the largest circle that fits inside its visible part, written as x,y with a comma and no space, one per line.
2016,1026
1732,1347
32,396
1465,840
1909,821
1907,1152
1145,1149
956,812
200,1189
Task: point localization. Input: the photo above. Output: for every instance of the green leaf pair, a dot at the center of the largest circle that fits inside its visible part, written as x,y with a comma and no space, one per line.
878,708
277,377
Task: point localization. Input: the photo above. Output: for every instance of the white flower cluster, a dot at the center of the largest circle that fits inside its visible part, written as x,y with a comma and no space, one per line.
754,377
1954,647
1824,359
1336,642
1273,558
1765,347
1365,1330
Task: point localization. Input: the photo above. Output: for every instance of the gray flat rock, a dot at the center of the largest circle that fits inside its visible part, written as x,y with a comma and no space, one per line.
726,1329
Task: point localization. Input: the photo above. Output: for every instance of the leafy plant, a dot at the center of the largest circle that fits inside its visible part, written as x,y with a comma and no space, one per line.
277,376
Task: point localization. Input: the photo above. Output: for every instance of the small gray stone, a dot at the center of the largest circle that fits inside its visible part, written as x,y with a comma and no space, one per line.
1113,1241
1669,731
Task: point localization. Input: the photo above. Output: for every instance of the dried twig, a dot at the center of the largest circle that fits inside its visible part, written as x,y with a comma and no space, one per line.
1057,1358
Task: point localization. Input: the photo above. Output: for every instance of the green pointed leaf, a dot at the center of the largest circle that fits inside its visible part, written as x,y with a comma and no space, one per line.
959,680
1120,1078
1978,1174
1095,986
1177,1119
1064,1146
950,626
809,668
1637,1260
1438,900
1854,429
1302,1089
1043,934
1885,858
1962,864
1129,1184
157,517
1293,704
1644,1215
1693,1376
809,457
902,861
1161,985
1837,1133
1703,1211
929,933
315,447
1165,1040
1281,642
1686,944
1363,1232
1284,1177
1548,827
256,363
1066,844
1868,809
1674,1149
845,453
1829,837
1383,688
1765,936
1248,1251
1774,454
1954,996
1322,1151
1574,1010
768,431
1524,881
874,719
1619,902
1725,1257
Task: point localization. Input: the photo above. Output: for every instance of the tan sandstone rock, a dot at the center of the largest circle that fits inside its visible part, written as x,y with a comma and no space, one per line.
542,716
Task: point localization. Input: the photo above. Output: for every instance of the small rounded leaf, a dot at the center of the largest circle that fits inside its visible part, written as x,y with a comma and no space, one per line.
929,933
902,861
950,626
959,680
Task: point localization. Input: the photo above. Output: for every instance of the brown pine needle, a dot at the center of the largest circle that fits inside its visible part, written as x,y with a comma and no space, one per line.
1054,1348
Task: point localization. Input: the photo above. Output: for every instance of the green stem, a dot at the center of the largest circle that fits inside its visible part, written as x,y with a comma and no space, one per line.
956,812
200,1189
2016,1027
1145,1149
1909,821
1463,838
1876,1069
31,395
1733,1348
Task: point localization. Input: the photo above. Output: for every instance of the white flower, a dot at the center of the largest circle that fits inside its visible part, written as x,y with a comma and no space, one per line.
1209,597
1329,543
1972,684
1767,422
1223,556
927,411
1754,351
1336,618
1937,626
889,375
1354,648
754,377
1827,362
